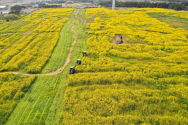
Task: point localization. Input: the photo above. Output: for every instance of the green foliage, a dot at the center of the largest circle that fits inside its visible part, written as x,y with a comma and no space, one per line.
11,17
16,9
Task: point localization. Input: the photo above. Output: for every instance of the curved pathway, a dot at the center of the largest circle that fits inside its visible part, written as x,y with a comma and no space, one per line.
67,59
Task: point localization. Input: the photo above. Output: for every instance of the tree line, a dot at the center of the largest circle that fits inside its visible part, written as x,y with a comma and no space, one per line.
175,6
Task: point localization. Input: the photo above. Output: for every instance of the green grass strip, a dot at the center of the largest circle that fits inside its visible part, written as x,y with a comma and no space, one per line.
42,104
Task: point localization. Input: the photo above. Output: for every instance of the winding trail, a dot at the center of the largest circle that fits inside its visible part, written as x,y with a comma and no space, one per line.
67,59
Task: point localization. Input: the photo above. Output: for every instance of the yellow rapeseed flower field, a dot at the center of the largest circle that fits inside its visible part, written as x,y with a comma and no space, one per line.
12,89
31,40
141,81
26,45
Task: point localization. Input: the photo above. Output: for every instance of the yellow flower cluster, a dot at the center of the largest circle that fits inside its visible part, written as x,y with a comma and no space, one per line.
51,25
118,104
136,82
145,77
13,27
8,40
146,38
31,47
12,88
31,25
37,53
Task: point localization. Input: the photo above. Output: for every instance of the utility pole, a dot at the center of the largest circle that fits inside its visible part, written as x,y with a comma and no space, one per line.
113,5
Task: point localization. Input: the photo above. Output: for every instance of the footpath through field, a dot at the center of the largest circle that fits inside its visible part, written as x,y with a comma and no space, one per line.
42,104
67,59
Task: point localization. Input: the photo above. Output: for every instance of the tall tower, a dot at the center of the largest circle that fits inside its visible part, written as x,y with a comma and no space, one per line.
113,5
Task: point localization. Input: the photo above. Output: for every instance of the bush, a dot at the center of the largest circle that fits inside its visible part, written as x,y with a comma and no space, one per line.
16,9
11,17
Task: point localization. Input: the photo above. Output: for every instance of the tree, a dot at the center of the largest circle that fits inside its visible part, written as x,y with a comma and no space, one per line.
16,9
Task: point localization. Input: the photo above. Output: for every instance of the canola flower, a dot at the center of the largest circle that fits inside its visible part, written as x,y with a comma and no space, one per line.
143,81
12,89
32,40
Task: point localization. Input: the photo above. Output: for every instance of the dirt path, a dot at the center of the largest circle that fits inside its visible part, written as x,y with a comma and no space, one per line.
67,59
76,15
83,20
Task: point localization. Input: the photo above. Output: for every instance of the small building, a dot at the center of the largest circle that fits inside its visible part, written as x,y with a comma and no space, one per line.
5,12
3,7
38,4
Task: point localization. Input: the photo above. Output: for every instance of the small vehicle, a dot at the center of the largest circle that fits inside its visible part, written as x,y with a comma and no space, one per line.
72,70
84,53
78,61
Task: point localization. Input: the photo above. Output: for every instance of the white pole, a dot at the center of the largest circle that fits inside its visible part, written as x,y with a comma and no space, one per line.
113,5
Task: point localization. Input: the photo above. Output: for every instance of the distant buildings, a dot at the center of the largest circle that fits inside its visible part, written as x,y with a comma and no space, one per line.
4,7
38,4
32,4
4,10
